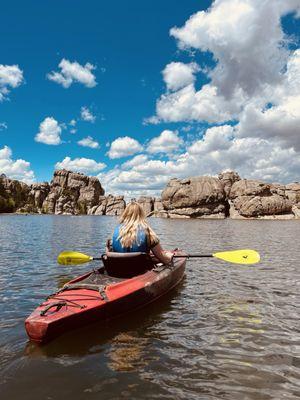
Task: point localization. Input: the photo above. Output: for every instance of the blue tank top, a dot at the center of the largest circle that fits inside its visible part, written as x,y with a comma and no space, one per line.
141,243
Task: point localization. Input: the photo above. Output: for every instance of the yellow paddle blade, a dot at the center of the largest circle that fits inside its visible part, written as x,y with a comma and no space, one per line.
73,258
239,256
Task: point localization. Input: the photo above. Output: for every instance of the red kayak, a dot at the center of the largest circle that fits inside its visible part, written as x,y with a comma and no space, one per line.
99,296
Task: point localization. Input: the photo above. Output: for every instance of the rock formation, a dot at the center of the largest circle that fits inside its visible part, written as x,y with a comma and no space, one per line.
229,195
199,197
109,205
147,203
71,193
251,198
13,194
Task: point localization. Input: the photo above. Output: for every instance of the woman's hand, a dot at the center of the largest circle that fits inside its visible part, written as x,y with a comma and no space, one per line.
169,255
162,255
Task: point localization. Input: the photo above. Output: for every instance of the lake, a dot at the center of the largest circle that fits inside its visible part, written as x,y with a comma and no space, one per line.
226,332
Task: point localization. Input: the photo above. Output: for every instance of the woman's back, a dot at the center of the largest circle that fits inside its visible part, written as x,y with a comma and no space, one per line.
140,243
134,234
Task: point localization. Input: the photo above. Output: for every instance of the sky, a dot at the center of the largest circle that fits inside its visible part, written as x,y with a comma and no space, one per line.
137,93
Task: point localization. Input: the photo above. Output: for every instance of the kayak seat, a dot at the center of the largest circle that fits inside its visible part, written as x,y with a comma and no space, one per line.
126,265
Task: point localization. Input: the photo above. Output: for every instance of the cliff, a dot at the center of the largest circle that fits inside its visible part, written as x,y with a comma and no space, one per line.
197,197
230,196
68,193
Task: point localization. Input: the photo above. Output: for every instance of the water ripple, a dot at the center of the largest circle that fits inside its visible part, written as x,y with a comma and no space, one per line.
227,332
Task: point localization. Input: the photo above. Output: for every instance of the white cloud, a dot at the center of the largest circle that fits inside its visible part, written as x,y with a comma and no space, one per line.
250,52
124,147
11,76
281,120
251,58
89,142
73,122
137,160
73,131
15,169
153,120
3,126
216,138
49,132
219,149
71,72
255,84
167,142
178,75
187,104
86,115
85,165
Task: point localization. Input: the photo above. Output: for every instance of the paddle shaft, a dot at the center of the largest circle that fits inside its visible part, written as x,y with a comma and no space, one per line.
192,255
175,256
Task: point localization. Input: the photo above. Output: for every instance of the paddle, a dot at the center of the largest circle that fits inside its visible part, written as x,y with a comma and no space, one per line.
235,256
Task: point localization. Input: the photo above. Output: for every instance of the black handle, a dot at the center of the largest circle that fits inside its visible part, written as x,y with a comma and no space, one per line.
192,255
58,306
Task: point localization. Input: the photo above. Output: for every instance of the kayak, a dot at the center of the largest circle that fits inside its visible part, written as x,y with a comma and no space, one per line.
97,296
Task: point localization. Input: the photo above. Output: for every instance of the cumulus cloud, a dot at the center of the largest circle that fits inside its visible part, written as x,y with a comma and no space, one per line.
137,160
85,165
281,119
219,149
124,147
167,142
11,76
178,75
49,132
87,115
89,142
15,169
71,72
249,52
188,104
3,126
251,57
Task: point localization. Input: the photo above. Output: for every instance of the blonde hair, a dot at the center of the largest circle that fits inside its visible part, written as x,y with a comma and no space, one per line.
133,218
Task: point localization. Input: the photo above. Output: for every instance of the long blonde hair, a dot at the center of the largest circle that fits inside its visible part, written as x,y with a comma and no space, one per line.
133,218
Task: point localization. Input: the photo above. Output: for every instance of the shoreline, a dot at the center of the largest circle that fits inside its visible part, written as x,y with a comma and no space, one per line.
280,217
226,196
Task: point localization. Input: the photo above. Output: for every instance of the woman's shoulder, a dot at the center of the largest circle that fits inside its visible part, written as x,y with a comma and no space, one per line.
117,229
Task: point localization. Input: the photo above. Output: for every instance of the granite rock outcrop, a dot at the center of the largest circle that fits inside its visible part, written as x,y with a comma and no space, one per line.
13,194
197,197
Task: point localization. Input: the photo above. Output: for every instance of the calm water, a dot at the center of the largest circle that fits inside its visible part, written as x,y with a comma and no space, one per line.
227,332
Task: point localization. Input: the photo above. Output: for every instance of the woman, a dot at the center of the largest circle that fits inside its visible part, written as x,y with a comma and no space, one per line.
135,235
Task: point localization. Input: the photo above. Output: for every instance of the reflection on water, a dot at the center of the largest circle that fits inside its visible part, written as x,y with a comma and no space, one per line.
227,332
127,352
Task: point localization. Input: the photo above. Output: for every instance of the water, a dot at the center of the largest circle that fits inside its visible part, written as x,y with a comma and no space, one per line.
227,332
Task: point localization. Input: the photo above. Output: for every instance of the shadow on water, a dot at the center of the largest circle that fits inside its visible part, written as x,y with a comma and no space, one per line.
92,338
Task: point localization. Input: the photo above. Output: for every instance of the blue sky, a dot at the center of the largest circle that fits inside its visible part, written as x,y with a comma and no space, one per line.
129,44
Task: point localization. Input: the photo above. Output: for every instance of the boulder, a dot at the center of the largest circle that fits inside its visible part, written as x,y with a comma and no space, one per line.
253,198
195,198
72,193
296,210
13,194
292,191
147,203
157,205
228,178
115,205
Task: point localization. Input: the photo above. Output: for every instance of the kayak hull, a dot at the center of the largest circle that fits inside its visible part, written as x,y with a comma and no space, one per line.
74,308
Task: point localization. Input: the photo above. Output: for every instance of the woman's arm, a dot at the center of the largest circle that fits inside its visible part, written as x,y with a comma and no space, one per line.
163,256
108,246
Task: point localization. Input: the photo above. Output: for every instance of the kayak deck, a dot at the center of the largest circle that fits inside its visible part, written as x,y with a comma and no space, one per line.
96,296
